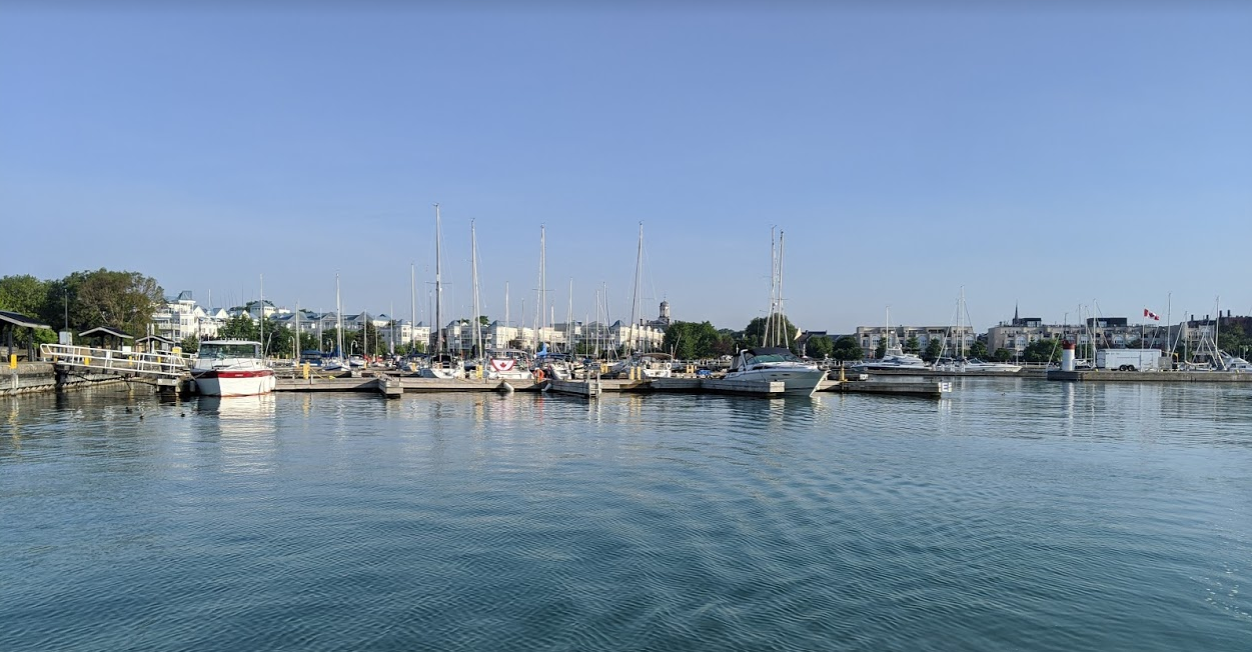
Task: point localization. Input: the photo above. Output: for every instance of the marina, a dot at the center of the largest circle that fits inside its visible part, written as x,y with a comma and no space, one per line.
1049,516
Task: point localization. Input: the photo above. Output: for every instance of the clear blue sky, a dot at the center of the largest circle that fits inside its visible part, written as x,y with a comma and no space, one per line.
1045,155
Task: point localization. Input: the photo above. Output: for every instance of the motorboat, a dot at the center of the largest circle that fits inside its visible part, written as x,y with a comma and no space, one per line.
231,368
894,359
974,364
646,366
777,364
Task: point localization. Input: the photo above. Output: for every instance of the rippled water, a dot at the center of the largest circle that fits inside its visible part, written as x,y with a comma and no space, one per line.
1018,515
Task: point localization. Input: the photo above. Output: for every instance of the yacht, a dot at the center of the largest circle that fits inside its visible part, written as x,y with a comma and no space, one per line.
894,359
974,364
777,364
232,368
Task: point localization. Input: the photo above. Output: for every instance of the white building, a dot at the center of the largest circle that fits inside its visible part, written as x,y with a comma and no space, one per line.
180,317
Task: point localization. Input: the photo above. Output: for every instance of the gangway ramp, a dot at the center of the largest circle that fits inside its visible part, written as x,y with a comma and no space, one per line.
129,363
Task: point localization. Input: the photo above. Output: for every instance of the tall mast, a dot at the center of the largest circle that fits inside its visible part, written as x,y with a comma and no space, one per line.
960,324
295,350
478,331
506,305
438,286
412,303
338,320
769,317
543,275
635,304
569,320
785,337
262,321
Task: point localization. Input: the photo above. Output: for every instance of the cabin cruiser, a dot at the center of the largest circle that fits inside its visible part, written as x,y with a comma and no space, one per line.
645,366
894,359
974,364
777,364
232,368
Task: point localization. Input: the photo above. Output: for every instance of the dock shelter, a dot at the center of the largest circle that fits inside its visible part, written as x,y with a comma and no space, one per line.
106,336
11,321
154,344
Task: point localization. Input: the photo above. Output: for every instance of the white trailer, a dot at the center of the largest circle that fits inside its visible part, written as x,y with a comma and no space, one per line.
1129,359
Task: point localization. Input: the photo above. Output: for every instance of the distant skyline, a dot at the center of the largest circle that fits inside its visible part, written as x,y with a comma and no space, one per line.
1043,156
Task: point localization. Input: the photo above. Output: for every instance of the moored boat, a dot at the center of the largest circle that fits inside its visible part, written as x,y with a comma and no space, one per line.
231,368
777,364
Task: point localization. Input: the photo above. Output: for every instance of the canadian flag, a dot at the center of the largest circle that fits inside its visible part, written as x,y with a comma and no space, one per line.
1151,315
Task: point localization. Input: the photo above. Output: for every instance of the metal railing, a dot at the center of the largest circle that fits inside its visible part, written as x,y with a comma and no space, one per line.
164,365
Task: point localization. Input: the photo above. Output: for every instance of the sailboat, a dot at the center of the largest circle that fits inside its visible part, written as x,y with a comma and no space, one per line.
962,364
337,362
641,364
441,364
774,362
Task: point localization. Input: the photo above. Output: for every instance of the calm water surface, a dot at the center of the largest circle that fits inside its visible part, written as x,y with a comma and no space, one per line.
1018,515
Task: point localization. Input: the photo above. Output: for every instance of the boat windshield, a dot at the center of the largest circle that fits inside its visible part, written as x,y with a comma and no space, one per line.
223,351
774,357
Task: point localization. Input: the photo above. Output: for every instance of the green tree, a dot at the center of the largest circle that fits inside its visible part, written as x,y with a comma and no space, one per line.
121,300
1041,351
692,341
819,347
24,294
978,350
881,349
755,333
1002,355
912,345
239,327
190,344
847,348
933,348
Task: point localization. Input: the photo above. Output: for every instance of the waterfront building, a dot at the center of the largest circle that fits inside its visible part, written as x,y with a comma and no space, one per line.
951,337
180,317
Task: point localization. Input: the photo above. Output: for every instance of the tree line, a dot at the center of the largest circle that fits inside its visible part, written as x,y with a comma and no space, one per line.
121,300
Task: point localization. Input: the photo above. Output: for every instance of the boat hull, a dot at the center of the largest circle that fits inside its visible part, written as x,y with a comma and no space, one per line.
235,383
796,381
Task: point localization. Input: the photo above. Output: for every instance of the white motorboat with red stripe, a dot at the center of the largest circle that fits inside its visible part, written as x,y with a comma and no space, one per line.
231,368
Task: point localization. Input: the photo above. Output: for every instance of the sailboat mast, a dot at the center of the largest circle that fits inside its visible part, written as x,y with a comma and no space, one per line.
960,324
478,331
543,279
438,285
569,320
785,336
262,320
635,304
338,320
766,336
412,303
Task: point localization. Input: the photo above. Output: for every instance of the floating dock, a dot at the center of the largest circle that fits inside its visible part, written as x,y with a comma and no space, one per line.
1106,376
920,389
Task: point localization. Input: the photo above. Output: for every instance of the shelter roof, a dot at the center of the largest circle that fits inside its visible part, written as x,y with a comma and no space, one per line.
154,338
105,330
18,319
